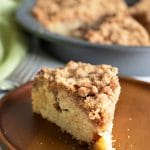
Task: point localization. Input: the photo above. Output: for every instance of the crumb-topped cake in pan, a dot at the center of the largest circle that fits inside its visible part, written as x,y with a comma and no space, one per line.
76,18
80,98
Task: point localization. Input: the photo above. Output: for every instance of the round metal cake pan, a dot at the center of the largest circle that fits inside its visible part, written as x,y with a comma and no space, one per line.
130,60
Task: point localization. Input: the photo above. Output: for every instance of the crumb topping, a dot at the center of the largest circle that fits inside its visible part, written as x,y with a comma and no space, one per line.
118,29
93,85
74,13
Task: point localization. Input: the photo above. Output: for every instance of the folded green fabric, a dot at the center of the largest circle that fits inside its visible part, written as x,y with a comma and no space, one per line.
13,46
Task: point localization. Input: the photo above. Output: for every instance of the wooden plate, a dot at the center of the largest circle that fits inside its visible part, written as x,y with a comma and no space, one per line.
21,129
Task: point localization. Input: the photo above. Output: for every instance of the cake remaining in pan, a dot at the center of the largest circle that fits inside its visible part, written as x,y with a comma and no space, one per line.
67,48
80,98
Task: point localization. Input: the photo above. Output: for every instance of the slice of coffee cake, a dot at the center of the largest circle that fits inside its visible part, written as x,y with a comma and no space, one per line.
80,98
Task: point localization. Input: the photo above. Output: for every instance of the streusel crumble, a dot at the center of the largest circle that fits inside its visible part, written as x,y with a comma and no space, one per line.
63,16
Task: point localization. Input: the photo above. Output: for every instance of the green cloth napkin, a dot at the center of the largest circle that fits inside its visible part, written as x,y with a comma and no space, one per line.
13,46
